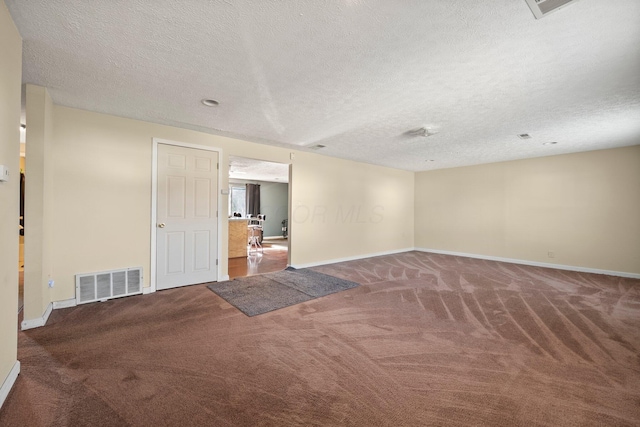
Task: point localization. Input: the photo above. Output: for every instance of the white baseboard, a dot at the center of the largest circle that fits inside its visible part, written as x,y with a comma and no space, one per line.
71,302
8,383
40,321
223,278
534,263
352,258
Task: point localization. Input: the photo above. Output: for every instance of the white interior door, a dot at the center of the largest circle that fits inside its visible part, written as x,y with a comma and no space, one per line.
187,224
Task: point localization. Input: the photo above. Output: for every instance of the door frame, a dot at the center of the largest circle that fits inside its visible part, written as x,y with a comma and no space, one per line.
154,206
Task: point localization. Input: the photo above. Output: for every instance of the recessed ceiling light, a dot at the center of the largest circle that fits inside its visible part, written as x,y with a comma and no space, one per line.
550,143
524,136
210,102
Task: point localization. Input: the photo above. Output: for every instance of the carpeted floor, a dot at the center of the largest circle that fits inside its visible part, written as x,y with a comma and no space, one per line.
425,340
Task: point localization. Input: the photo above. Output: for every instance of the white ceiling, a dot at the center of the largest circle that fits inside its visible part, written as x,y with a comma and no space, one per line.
257,170
354,75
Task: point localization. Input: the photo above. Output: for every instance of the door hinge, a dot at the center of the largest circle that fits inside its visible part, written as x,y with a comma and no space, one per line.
218,166
216,262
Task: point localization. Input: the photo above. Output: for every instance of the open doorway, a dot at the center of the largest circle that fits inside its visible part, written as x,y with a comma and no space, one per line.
258,216
21,220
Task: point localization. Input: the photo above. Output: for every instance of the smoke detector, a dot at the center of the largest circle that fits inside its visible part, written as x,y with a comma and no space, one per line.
542,8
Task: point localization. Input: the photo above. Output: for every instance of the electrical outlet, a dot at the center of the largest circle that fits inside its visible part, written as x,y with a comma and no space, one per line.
551,254
4,173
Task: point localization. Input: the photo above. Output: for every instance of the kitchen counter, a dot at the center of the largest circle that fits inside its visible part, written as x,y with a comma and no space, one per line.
238,237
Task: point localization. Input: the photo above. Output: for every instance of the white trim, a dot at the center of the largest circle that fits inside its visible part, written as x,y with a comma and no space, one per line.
352,258
477,256
40,321
154,203
533,263
8,383
65,303
224,278
154,216
147,290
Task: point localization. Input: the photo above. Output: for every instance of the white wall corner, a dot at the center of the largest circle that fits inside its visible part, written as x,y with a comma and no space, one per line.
534,263
71,302
223,278
38,322
148,290
8,383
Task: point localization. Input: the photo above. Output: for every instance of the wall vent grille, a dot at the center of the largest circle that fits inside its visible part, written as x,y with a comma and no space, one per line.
106,285
542,8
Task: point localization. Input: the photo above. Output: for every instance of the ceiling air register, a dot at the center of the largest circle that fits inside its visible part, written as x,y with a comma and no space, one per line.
541,8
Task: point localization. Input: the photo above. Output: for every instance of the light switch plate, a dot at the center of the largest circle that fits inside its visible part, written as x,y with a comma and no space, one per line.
4,173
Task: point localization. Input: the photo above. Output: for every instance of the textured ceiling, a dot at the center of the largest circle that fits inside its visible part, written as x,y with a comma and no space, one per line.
257,170
353,75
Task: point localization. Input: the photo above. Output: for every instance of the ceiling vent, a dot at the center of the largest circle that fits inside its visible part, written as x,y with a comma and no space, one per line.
542,8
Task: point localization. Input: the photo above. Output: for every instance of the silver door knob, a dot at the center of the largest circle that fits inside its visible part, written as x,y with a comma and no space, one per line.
161,225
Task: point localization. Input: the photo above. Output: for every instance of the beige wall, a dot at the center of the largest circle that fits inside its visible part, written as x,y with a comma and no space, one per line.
102,197
38,201
584,207
342,209
10,77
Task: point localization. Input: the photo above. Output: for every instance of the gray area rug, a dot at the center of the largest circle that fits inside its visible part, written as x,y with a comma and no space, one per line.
260,294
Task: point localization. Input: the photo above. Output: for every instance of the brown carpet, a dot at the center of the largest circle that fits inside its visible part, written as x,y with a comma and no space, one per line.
426,340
